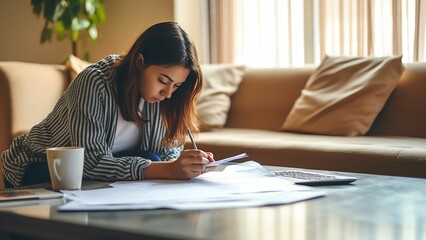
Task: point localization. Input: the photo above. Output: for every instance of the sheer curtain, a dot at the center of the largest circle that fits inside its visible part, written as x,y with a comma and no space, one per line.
257,32
373,28
223,24
270,33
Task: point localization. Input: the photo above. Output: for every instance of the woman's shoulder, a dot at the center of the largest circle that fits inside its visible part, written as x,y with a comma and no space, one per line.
96,77
105,65
107,62
100,70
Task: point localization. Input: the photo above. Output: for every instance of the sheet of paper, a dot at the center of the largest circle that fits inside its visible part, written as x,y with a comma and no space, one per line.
236,157
211,186
249,168
262,199
238,185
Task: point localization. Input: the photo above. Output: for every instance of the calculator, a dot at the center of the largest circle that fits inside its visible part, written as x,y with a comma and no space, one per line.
313,179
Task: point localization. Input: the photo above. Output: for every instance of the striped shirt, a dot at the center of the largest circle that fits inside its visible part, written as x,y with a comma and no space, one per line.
86,115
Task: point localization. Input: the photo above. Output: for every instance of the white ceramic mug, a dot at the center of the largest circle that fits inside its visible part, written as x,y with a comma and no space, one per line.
65,167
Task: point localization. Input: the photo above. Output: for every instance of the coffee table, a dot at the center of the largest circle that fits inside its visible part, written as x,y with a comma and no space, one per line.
373,207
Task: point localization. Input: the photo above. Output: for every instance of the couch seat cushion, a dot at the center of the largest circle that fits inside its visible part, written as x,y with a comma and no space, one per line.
375,154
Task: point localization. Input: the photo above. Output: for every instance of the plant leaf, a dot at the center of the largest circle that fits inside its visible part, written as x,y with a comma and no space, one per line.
46,34
59,11
37,6
90,7
49,9
93,32
100,13
60,31
79,24
74,7
74,36
67,19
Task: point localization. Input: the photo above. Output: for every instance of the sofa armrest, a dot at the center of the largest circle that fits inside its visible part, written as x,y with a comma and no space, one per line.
28,92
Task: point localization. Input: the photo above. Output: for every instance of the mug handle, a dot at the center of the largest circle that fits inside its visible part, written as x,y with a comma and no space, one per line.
56,162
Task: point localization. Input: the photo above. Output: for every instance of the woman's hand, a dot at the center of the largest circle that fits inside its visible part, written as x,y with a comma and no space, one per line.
211,159
191,163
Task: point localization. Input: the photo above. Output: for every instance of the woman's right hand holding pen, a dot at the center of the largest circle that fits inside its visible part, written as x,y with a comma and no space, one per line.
195,152
192,163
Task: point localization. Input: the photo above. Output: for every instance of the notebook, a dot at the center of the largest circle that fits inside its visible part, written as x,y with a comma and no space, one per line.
27,194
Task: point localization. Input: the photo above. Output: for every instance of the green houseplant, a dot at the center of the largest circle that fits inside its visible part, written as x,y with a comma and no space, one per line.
66,18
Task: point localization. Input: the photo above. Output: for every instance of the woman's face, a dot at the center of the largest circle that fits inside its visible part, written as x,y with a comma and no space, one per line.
158,82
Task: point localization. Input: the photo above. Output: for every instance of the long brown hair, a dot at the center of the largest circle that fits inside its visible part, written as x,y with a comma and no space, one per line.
164,44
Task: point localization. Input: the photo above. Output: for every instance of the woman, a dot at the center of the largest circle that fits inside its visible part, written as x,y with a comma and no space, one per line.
129,112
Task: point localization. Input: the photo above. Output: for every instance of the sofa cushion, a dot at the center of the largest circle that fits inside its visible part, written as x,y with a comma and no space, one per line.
269,92
404,113
344,95
220,82
392,155
28,92
75,65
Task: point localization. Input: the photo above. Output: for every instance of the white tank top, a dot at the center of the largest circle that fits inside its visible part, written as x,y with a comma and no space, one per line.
128,134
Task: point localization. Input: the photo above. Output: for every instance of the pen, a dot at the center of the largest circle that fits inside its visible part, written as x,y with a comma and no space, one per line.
192,139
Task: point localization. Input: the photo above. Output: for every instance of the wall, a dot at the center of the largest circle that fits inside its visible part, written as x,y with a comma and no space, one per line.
192,15
20,30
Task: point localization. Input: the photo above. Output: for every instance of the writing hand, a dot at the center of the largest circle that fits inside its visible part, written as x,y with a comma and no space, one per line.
192,163
211,159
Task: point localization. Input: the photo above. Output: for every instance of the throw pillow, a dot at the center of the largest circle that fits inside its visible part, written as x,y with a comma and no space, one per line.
221,81
75,65
344,95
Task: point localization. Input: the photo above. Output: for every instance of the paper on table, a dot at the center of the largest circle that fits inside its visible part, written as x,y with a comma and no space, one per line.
210,190
236,157
260,199
212,186
249,168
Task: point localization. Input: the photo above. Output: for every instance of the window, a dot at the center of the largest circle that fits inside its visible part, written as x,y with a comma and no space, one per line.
271,33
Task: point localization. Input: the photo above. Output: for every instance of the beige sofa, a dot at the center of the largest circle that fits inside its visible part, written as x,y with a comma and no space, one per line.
395,145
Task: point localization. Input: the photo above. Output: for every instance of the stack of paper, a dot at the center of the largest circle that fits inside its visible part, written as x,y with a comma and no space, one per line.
242,185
